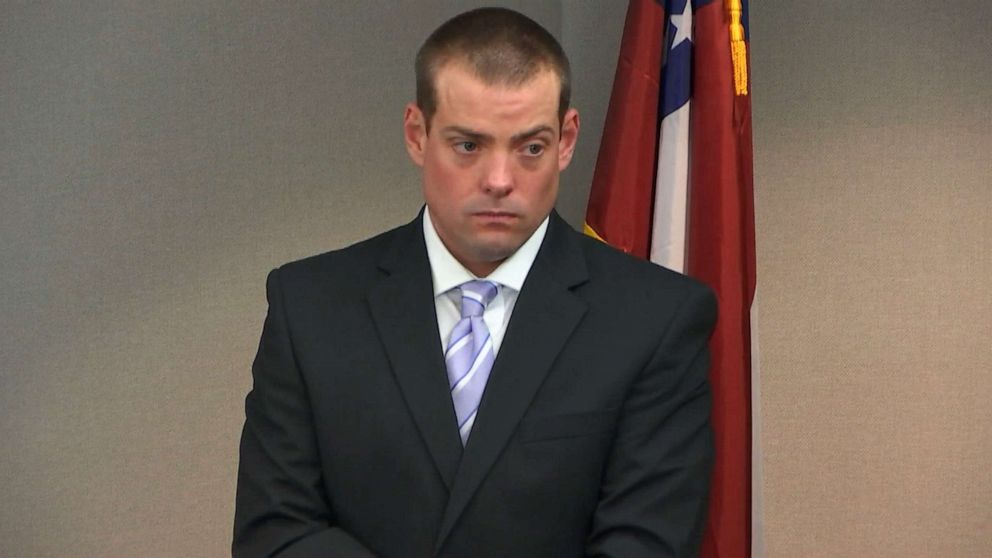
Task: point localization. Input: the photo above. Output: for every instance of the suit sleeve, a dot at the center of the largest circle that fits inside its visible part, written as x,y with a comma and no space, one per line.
653,499
280,508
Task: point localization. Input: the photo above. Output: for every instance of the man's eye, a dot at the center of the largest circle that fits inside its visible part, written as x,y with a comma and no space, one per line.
534,149
466,147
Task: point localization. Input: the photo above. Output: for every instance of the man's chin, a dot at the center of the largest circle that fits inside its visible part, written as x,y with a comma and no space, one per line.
496,254
491,254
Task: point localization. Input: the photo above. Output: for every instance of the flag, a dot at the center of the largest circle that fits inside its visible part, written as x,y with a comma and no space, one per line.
673,183
628,150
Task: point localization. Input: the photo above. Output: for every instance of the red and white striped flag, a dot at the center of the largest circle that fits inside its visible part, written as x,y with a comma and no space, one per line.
673,183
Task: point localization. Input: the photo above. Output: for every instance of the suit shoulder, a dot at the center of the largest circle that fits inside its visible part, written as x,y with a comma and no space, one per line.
608,264
632,289
353,261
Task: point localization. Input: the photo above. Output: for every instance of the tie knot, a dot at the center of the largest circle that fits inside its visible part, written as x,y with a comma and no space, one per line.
476,295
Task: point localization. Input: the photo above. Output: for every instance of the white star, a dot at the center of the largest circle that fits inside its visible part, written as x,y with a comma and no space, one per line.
683,25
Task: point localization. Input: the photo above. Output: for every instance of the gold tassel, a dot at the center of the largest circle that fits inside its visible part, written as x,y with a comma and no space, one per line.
738,48
589,231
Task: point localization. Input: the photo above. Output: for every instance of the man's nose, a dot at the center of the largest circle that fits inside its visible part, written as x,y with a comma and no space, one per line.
498,180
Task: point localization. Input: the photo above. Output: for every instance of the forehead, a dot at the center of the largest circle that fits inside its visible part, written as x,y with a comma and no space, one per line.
463,97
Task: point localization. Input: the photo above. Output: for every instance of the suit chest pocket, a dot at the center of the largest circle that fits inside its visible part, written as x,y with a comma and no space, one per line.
553,427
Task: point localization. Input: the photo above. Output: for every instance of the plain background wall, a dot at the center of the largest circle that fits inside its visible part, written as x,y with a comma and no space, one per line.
157,159
873,171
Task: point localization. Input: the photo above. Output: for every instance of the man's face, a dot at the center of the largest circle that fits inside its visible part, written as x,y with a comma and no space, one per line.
490,162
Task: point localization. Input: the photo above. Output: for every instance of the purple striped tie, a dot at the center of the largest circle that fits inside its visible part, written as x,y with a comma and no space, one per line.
470,355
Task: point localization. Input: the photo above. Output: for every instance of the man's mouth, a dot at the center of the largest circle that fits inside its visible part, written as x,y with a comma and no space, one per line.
502,215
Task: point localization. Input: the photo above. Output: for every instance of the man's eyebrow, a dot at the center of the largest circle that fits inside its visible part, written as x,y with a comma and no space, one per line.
532,132
478,137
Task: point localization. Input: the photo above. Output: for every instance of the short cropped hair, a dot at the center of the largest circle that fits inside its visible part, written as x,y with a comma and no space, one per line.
500,46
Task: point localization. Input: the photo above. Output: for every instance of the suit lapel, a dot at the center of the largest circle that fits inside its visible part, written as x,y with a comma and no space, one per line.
402,307
544,316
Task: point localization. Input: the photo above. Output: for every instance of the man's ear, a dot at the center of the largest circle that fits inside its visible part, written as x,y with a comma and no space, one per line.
415,133
569,135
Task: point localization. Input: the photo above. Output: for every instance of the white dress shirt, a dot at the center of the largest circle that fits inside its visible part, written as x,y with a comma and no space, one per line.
447,274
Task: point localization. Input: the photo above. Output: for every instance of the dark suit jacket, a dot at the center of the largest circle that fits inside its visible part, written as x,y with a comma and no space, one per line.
592,437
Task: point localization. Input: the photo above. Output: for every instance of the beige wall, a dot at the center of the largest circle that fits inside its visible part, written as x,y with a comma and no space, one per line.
873,171
157,159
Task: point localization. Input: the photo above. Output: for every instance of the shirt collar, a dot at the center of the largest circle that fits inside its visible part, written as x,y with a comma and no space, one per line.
448,273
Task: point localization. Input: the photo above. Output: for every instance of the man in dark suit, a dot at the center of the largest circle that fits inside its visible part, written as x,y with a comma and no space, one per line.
483,381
